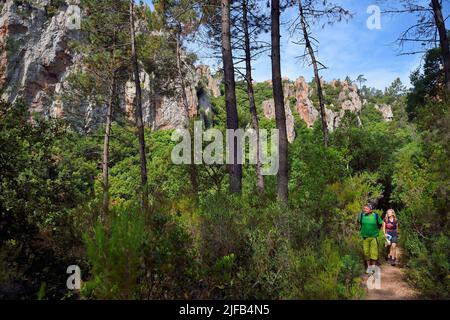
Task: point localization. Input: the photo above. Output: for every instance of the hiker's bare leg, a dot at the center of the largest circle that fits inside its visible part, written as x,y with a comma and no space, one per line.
394,251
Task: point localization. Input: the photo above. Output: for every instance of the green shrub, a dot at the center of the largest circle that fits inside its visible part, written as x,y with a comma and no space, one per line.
428,270
419,188
171,266
258,252
327,271
116,256
350,196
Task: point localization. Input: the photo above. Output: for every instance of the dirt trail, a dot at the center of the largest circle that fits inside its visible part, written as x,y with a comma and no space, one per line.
393,285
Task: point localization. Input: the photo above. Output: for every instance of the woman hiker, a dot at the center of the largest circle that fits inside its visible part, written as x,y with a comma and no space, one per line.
390,230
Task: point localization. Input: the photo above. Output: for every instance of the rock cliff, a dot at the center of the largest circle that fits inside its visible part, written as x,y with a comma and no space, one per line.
36,61
348,100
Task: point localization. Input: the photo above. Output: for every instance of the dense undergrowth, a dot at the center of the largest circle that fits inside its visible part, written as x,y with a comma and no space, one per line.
197,241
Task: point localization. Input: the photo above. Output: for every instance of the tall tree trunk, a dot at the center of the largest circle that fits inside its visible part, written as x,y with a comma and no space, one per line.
280,112
251,95
105,165
235,169
443,36
138,113
193,169
180,74
316,73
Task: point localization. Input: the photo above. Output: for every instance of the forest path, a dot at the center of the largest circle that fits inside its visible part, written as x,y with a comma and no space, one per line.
393,284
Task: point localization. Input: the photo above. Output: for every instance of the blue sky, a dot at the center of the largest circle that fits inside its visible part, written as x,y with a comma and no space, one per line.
347,48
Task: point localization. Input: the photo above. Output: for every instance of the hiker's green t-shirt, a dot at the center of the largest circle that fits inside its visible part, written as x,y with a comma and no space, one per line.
369,226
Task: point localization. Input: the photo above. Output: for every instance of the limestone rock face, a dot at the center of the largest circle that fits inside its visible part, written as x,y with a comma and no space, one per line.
348,101
288,88
269,112
299,91
212,83
168,112
334,83
268,107
208,87
35,63
350,98
305,106
36,54
387,112
159,111
36,60
290,122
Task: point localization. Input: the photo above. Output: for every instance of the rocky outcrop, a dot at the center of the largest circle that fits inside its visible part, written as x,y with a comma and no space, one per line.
159,111
36,63
269,112
300,92
174,111
386,111
268,107
349,101
349,98
290,122
211,83
36,55
305,107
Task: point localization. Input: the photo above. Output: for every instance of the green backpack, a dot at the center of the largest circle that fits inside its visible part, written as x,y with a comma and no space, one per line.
376,217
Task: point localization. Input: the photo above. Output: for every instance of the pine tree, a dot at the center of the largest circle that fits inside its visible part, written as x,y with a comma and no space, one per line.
280,112
181,19
317,10
444,41
252,22
138,111
428,29
105,59
235,169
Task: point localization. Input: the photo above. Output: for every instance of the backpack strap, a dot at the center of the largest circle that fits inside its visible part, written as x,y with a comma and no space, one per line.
378,217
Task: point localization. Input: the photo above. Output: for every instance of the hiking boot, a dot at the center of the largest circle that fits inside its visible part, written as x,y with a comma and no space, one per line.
393,262
370,271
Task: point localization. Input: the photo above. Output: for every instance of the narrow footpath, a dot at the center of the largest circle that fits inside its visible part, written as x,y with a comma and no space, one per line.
393,284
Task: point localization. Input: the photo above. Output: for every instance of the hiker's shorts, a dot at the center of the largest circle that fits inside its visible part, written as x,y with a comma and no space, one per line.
370,248
394,238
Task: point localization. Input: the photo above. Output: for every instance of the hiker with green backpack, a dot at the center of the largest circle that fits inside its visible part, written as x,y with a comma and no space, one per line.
370,223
